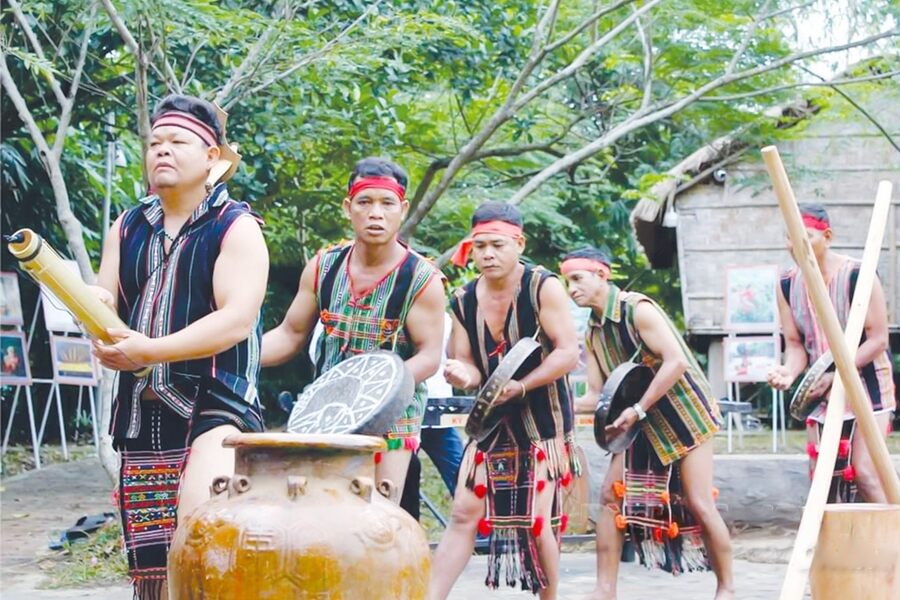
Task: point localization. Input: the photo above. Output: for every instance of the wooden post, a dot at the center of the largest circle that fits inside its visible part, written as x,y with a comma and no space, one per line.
807,535
827,319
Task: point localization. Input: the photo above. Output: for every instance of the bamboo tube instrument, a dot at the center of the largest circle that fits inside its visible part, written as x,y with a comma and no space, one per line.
810,525
45,266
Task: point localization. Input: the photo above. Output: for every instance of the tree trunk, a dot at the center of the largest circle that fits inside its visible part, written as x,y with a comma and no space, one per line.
109,458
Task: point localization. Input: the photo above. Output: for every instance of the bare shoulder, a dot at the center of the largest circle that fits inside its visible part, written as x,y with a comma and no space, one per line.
245,232
553,293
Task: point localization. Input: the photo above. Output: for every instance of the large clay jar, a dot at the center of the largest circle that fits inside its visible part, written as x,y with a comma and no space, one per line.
302,518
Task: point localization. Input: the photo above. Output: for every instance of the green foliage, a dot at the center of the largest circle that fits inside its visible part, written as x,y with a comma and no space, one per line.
409,79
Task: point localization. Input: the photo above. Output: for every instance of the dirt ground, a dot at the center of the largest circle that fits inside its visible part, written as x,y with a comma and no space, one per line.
36,506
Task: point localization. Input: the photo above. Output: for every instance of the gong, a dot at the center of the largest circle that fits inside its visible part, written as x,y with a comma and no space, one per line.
624,387
364,394
484,417
802,404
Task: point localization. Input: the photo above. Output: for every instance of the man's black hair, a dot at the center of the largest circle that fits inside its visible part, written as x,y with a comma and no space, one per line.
196,107
376,166
497,211
590,253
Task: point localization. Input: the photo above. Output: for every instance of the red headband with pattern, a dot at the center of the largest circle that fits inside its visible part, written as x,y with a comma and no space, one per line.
461,256
583,264
815,223
187,122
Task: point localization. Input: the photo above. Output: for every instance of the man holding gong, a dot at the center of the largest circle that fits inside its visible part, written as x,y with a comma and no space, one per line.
510,481
660,490
371,293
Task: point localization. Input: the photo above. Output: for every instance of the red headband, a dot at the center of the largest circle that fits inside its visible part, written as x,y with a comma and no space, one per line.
461,256
381,183
583,264
814,223
189,123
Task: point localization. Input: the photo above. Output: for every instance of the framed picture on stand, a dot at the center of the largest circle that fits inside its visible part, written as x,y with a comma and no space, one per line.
14,369
10,300
751,303
73,363
749,359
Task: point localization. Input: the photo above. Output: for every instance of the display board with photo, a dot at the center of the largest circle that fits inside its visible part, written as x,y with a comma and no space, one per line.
749,359
73,362
10,300
14,369
751,303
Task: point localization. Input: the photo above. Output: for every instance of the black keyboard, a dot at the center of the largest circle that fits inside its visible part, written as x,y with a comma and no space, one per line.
452,406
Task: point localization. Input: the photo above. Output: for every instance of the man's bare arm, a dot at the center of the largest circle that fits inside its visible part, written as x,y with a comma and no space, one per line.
660,339
588,402
287,339
559,327
460,370
795,358
876,327
425,325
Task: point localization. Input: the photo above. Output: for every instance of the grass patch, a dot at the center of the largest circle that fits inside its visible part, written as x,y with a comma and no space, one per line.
19,459
99,560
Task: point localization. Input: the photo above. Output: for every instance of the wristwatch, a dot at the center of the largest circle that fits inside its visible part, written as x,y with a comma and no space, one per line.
641,413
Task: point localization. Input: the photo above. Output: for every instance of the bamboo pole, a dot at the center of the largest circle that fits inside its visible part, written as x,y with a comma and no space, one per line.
827,319
797,573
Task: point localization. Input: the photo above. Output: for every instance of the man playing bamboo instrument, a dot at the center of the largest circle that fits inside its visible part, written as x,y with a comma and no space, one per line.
510,483
660,490
187,270
372,293
805,342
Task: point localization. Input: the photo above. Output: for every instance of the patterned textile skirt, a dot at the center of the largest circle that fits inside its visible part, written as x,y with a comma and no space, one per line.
843,482
653,512
510,495
149,480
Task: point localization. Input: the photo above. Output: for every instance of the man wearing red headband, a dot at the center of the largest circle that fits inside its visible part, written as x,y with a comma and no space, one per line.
186,270
660,490
510,483
805,343
372,293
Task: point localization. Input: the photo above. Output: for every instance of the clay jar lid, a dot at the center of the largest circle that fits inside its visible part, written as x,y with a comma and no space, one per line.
310,441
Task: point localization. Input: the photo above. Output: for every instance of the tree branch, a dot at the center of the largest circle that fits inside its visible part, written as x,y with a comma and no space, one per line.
585,24
120,26
788,86
38,49
65,116
308,58
864,112
647,45
237,76
641,118
70,224
582,58
500,116
745,41
187,68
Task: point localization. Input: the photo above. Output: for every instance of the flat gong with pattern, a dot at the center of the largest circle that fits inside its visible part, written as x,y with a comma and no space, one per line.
364,394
